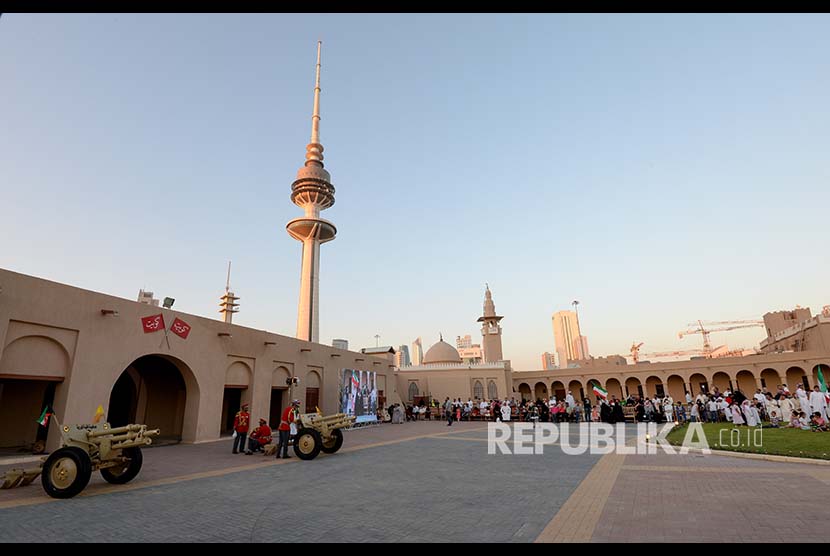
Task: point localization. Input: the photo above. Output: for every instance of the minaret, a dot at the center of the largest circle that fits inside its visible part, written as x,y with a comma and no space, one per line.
490,330
229,304
312,191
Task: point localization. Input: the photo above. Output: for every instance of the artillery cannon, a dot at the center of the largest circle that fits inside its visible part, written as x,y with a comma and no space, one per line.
116,452
318,433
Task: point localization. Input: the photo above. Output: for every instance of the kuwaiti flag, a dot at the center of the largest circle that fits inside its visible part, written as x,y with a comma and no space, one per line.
355,382
599,391
43,420
823,384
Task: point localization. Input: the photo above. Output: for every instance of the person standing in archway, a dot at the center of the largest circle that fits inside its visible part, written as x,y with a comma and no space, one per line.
240,426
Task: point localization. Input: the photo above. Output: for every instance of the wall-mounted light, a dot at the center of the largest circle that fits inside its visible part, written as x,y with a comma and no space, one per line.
168,302
106,312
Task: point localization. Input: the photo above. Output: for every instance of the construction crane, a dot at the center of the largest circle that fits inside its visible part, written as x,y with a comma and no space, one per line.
635,352
707,345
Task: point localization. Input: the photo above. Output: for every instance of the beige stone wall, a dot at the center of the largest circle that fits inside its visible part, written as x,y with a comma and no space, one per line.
54,331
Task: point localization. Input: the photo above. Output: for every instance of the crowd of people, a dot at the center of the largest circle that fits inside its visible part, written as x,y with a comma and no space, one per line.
780,409
261,436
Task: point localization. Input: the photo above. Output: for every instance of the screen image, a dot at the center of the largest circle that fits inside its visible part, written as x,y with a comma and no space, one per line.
359,394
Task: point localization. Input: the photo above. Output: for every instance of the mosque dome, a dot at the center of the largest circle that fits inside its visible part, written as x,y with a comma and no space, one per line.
442,352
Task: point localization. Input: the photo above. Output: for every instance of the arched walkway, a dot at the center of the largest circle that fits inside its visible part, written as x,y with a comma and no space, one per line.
795,376
614,388
722,382
698,384
747,383
770,380
159,391
576,389
676,388
557,389
540,391
524,390
654,387
633,387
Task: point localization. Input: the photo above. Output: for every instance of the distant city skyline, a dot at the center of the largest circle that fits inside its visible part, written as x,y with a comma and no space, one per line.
615,159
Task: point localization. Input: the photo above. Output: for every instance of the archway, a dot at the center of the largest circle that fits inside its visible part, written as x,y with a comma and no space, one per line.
279,396
524,391
722,382
746,383
558,390
676,388
492,390
633,387
614,388
795,376
237,391
770,380
540,391
31,371
576,390
312,389
698,384
654,387
158,391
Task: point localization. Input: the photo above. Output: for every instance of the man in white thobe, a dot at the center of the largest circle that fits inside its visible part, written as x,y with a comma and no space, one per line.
569,399
818,402
505,411
803,400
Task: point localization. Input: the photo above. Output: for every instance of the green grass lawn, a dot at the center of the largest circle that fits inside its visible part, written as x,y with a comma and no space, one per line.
782,442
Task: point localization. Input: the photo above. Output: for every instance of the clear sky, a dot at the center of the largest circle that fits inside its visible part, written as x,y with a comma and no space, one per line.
658,168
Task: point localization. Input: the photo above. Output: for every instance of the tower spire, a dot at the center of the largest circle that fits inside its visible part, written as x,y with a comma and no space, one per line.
314,150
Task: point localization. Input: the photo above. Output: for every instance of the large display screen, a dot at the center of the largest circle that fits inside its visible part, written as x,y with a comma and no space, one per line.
359,394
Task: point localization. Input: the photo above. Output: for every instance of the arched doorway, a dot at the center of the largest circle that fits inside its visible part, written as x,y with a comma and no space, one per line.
698,384
633,387
795,376
558,390
575,388
746,383
654,387
770,380
614,388
540,391
524,390
722,382
158,391
676,388
312,389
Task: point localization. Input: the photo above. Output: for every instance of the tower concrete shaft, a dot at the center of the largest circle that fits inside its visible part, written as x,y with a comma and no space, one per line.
312,191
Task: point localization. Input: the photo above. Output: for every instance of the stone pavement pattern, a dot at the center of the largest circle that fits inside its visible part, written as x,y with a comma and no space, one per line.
426,482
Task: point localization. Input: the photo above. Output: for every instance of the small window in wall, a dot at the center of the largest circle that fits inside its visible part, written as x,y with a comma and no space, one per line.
492,390
413,390
478,390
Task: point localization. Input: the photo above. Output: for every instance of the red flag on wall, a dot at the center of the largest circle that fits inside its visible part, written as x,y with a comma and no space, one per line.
153,323
180,328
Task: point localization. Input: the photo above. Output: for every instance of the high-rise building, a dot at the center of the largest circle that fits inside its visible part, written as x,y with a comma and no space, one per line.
570,345
402,357
548,361
340,344
490,329
469,352
465,342
312,191
417,351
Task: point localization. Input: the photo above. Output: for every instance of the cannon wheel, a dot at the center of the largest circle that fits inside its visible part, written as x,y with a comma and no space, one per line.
127,472
334,443
307,443
66,472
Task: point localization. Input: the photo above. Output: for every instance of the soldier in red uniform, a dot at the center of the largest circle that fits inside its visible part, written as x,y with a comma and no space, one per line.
288,417
259,438
240,424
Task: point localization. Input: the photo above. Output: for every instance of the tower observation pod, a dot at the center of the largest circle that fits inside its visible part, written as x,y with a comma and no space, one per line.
312,191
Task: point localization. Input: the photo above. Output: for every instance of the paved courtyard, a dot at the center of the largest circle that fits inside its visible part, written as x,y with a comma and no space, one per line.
426,482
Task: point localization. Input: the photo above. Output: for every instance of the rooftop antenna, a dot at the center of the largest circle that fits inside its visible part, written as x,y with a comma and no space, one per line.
228,305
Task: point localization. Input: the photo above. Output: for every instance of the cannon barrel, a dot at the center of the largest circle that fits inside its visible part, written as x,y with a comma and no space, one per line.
116,430
132,443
